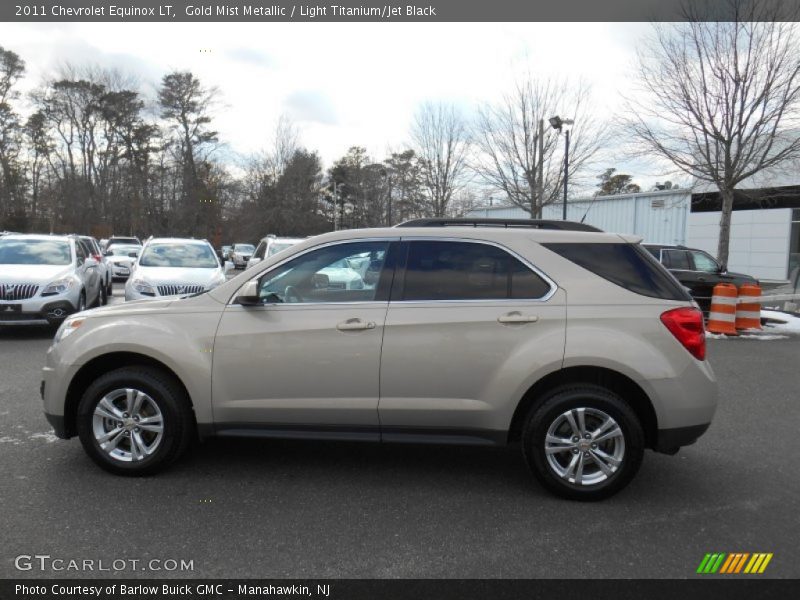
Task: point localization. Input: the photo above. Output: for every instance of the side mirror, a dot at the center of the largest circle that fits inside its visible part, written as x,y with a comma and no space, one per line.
248,294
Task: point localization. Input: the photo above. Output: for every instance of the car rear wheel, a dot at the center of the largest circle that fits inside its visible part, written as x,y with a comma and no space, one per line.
102,297
583,442
110,287
135,421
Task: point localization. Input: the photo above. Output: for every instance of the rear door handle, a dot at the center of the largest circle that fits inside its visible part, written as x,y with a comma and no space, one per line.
355,325
516,317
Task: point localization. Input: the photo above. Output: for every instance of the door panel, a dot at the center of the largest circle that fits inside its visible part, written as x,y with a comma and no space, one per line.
281,365
468,324
455,367
306,356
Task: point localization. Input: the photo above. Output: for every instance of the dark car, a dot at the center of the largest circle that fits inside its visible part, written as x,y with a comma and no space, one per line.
696,270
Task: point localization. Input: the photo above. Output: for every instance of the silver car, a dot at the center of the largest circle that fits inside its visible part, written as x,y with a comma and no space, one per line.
270,245
577,344
240,255
44,278
173,267
120,259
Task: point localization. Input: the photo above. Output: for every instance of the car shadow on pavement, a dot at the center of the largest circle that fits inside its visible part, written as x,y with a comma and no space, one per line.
28,332
348,463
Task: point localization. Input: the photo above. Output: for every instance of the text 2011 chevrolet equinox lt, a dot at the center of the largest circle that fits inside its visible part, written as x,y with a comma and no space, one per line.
577,344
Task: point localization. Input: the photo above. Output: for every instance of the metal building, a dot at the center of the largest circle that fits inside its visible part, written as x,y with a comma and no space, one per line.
659,217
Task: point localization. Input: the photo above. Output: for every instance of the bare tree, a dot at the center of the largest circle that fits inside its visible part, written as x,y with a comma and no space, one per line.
507,141
441,142
721,97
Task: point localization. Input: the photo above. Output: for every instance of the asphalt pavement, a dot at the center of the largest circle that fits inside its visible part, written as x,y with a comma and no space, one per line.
271,509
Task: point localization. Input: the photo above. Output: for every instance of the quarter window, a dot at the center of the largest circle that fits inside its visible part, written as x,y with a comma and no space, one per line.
703,262
339,273
467,271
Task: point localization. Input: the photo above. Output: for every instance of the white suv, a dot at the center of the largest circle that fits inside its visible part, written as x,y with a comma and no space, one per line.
270,245
576,343
173,267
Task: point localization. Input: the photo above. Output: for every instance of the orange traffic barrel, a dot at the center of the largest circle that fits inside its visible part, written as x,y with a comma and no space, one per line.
722,316
748,310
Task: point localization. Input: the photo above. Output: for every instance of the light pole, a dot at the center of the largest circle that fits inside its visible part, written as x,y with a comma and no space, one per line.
558,123
336,204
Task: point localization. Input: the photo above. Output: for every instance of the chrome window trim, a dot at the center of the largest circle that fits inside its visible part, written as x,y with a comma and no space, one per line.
551,292
263,272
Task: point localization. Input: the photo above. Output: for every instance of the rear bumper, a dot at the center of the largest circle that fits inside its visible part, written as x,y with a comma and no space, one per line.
670,440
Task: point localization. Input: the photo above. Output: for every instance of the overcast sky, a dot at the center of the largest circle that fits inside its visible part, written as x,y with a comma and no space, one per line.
343,84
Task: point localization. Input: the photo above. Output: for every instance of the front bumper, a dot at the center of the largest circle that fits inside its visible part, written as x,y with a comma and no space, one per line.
37,311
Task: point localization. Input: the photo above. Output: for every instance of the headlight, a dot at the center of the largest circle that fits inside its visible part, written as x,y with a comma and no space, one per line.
66,328
58,287
144,288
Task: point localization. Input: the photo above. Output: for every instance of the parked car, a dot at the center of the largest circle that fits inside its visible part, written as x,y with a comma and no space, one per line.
270,245
118,239
240,254
174,267
459,335
697,270
103,267
224,252
120,258
45,278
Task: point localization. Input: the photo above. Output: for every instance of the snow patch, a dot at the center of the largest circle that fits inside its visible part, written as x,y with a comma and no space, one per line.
46,436
9,440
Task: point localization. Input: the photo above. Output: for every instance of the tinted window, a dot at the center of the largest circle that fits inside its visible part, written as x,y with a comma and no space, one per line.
677,259
260,251
467,271
627,265
703,262
34,252
339,273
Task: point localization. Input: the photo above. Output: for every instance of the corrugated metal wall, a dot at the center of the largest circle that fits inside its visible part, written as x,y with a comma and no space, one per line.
659,217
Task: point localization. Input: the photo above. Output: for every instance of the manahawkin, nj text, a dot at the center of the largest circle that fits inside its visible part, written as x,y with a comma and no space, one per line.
224,11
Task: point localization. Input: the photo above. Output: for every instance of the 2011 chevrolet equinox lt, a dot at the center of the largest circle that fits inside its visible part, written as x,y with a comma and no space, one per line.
576,343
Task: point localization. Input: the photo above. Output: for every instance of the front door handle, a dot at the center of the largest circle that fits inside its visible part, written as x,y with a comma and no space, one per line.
517,317
355,325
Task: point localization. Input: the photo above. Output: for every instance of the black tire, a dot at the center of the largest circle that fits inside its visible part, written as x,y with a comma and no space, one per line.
110,287
168,395
546,413
102,298
81,302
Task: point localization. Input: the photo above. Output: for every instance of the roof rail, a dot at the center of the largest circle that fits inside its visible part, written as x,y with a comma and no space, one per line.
505,223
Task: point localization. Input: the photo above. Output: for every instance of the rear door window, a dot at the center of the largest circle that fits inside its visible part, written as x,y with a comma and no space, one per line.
678,260
703,262
627,265
467,271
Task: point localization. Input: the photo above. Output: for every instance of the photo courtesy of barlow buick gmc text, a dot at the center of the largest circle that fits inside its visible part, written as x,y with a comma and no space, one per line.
446,300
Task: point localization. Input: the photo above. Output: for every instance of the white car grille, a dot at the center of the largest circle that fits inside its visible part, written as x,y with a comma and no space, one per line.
175,289
19,291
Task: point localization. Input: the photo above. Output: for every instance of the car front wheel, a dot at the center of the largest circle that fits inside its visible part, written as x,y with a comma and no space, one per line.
583,442
134,421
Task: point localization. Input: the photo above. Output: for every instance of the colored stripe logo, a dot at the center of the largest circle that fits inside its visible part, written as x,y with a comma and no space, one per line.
734,563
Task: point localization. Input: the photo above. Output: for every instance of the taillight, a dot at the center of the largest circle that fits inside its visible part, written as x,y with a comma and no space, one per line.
97,257
686,324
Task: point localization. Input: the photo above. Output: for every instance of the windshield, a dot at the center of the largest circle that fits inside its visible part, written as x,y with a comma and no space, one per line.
34,252
191,256
244,248
275,248
123,249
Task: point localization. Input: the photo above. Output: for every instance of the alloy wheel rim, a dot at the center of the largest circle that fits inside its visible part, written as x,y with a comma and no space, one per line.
584,446
128,425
